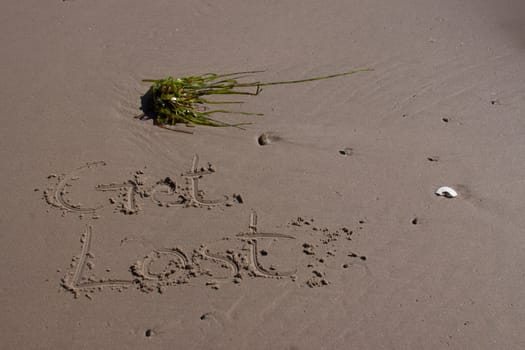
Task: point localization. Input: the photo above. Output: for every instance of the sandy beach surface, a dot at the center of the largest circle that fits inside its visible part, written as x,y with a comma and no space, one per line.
116,234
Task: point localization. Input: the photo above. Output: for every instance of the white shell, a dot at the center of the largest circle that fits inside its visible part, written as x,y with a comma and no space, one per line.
446,192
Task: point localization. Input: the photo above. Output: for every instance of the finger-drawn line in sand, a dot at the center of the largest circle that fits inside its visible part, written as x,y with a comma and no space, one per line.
77,282
55,196
227,261
260,270
177,269
131,191
193,176
170,188
239,254
181,262
251,238
128,191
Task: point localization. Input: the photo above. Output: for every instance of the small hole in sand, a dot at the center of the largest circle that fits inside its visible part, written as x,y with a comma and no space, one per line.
148,333
263,140
347,151
267,138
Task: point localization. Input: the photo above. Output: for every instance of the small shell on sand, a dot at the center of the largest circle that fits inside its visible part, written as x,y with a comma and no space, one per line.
446,192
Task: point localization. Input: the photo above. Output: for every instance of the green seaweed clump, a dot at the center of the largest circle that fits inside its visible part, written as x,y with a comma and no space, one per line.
185,100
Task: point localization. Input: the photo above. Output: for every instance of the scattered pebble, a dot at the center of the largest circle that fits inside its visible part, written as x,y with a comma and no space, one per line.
238,198
308,249
318,273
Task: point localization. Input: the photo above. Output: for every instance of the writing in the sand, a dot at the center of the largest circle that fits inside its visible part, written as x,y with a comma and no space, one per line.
127,196
173,266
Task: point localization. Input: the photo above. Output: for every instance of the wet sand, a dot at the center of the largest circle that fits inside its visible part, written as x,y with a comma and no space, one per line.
315,227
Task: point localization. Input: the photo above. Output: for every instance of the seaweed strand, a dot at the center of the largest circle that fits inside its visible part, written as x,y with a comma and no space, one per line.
181,100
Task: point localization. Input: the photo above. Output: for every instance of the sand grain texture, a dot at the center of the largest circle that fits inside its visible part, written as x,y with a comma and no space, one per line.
329,236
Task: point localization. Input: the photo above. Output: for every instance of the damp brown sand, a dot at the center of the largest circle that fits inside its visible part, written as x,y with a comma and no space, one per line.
134,243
